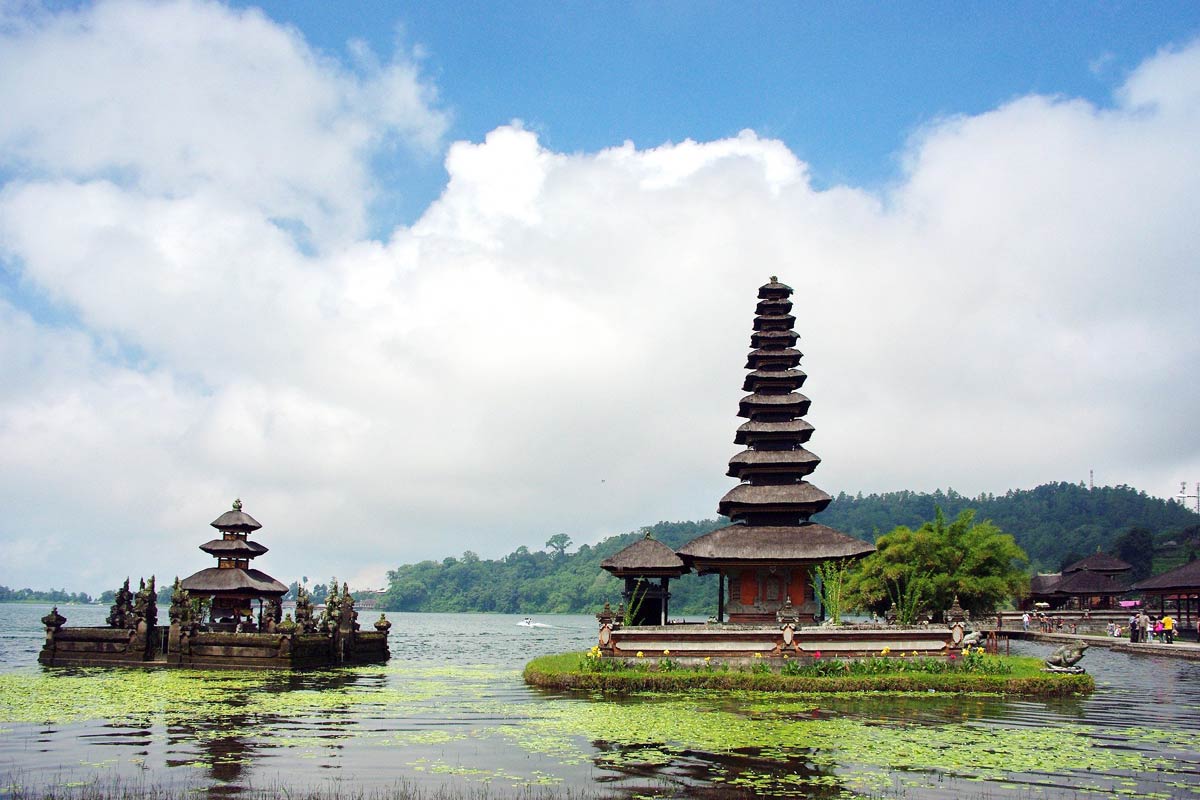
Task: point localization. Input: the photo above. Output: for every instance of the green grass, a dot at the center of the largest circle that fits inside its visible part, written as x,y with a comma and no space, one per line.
1014,675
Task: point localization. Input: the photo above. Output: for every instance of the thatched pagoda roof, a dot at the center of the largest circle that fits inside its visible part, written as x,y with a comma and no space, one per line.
787,378
776,337
781,355
798,430
803,497
1099,562
1180,579
236,521
773,288
781,321
800,461
217,581
774,305
648,557
233,548
791,403
764,543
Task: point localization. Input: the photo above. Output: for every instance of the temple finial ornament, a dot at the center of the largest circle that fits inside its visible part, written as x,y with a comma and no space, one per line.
237,504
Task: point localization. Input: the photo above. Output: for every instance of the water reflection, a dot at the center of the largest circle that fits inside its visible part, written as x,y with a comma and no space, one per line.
451,711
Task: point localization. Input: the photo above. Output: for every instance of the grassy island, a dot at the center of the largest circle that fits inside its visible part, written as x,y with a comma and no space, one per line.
1012,675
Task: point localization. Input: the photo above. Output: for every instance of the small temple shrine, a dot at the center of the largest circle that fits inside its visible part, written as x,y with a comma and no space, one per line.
765,558
227,616
639,565
232,586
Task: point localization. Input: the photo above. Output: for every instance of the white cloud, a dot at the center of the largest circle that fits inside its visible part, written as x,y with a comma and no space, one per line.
193,97
557,343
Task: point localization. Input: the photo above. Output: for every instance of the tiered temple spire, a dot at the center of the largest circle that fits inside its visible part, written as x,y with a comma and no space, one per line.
766,553
233,584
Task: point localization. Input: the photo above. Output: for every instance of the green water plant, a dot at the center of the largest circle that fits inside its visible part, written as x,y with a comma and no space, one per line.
828,581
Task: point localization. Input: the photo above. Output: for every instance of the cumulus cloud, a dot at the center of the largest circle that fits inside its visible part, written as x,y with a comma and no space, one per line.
557,343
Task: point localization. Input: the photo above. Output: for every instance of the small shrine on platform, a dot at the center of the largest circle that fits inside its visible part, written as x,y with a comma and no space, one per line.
640,564
227,616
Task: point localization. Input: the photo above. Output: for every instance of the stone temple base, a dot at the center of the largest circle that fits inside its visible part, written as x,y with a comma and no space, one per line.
749,641
166,647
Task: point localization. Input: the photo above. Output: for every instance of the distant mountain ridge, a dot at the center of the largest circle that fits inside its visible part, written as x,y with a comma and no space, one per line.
1052,523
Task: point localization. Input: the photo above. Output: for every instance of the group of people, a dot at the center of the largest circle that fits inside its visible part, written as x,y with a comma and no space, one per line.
1047,624
1145,628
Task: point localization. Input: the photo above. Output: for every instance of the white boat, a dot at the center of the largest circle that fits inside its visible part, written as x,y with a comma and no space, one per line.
529,623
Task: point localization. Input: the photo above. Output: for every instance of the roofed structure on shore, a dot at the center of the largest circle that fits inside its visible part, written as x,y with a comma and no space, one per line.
1179,587
232,585
766,554
1099,562
1095,582
639,564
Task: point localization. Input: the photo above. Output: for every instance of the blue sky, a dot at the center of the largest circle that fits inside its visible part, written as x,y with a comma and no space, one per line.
440,277
843,84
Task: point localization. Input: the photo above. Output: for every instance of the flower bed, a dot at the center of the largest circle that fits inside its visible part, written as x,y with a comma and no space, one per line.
973,671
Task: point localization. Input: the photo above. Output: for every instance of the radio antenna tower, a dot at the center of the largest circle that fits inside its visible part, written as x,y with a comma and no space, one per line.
1184,496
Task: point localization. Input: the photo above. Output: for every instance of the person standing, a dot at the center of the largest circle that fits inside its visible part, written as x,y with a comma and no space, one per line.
1025,620
1143,626
1168,623
1133,628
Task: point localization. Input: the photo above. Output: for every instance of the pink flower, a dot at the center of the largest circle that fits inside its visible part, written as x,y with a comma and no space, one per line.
816,654
952,656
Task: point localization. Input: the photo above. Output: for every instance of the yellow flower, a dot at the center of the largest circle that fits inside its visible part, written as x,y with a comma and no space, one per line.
885,651
758,655
708,659
640,654
914,652
666,652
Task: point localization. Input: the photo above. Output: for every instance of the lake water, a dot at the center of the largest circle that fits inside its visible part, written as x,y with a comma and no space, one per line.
449,711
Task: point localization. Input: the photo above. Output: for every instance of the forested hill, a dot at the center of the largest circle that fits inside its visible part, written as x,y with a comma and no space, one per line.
1055,523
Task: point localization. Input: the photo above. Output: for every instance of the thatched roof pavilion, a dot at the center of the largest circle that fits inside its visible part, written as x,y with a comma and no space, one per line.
1099,562
232,585
1093,582
1179,587
765,555
640,563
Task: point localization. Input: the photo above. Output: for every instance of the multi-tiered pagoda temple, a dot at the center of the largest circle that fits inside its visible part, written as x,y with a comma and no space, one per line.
233,585
764,558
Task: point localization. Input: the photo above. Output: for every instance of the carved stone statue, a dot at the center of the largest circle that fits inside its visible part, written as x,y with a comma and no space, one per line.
383,625
304,611
145,604
180,612
53,621
121,613
1066,657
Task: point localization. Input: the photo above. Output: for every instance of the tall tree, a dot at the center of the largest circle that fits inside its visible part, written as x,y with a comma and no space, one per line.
559,543
977,562
1136,548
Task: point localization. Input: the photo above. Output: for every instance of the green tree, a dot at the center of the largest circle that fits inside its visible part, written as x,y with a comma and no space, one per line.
1136,548
977,562
559,543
